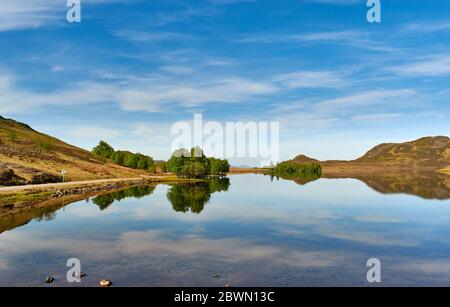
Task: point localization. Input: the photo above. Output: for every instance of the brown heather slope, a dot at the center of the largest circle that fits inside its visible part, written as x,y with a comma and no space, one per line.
431,152
30,154
427,154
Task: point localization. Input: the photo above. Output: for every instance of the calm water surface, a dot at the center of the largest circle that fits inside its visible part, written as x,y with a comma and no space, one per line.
248,230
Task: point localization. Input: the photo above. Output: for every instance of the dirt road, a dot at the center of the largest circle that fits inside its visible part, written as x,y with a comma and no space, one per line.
73,183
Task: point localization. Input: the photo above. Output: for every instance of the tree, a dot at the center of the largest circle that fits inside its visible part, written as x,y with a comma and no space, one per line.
177,161
142,162
131,160
193,170
146,163
194,164
219,167
103,150
118,157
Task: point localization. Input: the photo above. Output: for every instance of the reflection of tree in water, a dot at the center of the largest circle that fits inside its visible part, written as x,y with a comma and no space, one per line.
301,180
193,197
104,201
45,214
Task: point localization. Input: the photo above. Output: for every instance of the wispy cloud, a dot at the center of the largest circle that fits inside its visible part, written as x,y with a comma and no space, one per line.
227,90
95,132
354,38
371,98
26,14
311,79
148,37
430,26
436,66
21,14
340,2
156,94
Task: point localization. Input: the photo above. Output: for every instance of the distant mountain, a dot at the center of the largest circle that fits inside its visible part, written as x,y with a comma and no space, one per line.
425,152
302,159
431,153
34,157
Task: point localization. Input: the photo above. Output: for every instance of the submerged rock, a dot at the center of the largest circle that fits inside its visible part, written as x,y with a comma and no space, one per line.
49,280
105,283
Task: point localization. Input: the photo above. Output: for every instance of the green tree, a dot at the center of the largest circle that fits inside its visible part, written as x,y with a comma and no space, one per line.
118,157
177,161
219,167
131,160
193,170
194,164
103,150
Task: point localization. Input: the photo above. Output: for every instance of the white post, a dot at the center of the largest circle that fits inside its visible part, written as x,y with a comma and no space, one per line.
63,173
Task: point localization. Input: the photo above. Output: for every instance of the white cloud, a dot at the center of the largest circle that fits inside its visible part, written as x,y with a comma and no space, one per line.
376,117
57,68
95,132
177,70
156,94
25,14
353,38
148,37
16,100
22,14
428,27
311,79
229,90
437,66
365,99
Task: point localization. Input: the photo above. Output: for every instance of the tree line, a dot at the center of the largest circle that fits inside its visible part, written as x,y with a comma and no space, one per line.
124,158
194,164
293,170
184,163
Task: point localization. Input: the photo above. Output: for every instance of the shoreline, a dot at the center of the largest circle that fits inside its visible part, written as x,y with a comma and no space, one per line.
25,196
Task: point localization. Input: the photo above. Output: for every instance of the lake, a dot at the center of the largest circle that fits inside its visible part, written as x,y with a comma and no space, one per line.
250,230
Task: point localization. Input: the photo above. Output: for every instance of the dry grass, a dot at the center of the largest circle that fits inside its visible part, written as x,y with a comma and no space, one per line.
28,152
236,171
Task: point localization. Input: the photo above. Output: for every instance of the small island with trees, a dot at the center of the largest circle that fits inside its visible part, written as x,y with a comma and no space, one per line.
184,163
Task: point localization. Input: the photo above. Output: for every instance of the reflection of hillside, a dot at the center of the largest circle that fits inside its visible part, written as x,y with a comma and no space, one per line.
11,220
46,210
40,211
301,180
428,185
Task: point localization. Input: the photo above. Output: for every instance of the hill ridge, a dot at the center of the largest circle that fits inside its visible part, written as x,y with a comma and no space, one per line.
35,157
432,152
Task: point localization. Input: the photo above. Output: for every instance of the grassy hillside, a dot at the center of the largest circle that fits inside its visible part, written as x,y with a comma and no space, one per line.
425,152
430,153
30,153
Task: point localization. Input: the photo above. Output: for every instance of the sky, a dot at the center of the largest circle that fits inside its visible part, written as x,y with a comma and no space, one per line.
337,84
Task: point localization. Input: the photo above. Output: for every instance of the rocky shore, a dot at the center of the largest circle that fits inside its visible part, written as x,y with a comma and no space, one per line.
31,195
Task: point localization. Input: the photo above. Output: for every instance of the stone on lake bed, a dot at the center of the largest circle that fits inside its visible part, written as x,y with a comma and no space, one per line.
49,280
105,283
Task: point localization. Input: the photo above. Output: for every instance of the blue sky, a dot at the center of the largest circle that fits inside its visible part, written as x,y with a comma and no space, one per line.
337,84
